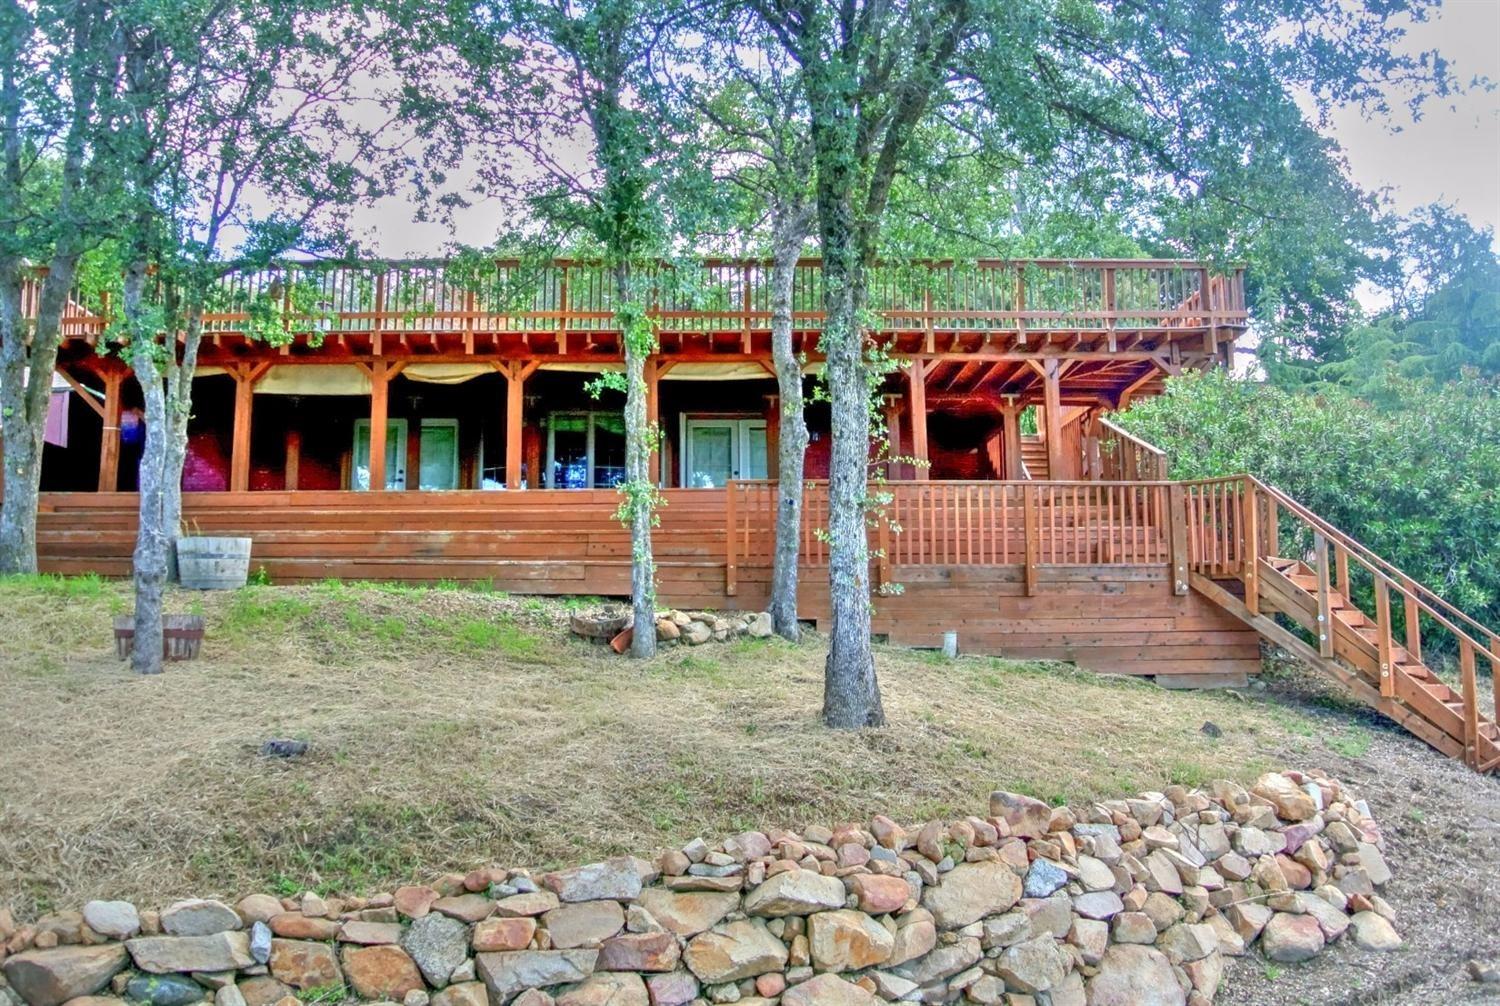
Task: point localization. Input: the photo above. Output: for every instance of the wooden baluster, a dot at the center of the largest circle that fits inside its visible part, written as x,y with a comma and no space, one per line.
1495,675
731,572
1029,499
1341,568
1383,636
1325,609
1413,625
1251,562
1471,701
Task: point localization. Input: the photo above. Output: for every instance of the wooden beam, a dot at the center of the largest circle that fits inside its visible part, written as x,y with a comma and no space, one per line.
85,393
380,378
916,383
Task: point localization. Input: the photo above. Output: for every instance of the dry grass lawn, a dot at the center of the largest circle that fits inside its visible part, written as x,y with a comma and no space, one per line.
451,728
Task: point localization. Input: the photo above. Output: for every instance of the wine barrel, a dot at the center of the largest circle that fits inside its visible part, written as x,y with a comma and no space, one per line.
213,563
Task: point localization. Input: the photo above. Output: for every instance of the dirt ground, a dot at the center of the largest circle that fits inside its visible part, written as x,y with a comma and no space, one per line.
451,728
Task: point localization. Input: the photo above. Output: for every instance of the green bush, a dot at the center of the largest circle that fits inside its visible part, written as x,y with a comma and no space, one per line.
1416,478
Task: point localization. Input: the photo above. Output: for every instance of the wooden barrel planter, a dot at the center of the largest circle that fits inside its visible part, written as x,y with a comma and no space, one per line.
182,636
213,563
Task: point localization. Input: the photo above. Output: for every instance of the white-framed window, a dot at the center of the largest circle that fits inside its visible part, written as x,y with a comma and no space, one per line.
585,450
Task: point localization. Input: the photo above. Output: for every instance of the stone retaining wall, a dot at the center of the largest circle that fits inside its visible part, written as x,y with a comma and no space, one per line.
1133,902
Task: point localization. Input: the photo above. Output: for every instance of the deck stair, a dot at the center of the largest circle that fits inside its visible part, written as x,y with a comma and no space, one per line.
1357,647
1034,457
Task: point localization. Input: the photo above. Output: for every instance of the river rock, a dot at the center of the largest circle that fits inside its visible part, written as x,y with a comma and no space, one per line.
617,879
304,964
827,990
583,924
381,972
879,894
1373,932
970,891
462,994
735,950
795,892
224,951
1027,817
1131,975
163,990
687,913
117,920
606,989
438,945
507,974
1033,966
198,917
848,940
1290,939
52,977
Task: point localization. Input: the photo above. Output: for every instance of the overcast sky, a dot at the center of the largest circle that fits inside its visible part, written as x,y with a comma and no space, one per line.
1451,154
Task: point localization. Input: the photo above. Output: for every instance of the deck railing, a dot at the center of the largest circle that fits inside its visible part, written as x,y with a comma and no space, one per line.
1031,524
1124,457
710,296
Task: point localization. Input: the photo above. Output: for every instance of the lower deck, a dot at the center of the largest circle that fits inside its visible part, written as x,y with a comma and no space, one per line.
1092,573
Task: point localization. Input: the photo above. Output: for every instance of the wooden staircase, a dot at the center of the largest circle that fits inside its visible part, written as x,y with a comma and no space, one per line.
1234,535
1034,457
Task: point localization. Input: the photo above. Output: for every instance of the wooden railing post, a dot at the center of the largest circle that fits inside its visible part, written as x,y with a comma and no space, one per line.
1495,675
1029,502
1341,570
1272,528
1250,561
883,539
1413,625
731,531
1325,609
1471,701
1177,524
1383,635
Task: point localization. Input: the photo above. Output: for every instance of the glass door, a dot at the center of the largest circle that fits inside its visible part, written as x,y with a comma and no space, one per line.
438,445
710,454
717,450
395,455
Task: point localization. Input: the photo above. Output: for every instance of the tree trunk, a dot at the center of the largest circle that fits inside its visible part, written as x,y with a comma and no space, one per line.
179,408
851,693
790,227
149,562
25,394
640,492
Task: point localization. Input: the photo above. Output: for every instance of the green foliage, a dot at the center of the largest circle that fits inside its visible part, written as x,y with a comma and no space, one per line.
1418,482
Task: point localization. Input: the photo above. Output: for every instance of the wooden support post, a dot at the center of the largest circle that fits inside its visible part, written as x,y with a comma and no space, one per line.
413,454
1325,609
731,531
1052,419
1383,636
892,413
652,373
1033,527
293,458
1414,627
1466,668
515,373
109,443
380,377
1012,433
1341,570
916,383
245,378
1250,561
1178,528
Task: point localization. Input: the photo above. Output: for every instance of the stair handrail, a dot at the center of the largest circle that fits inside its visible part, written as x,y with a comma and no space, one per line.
1424,596
1158,456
